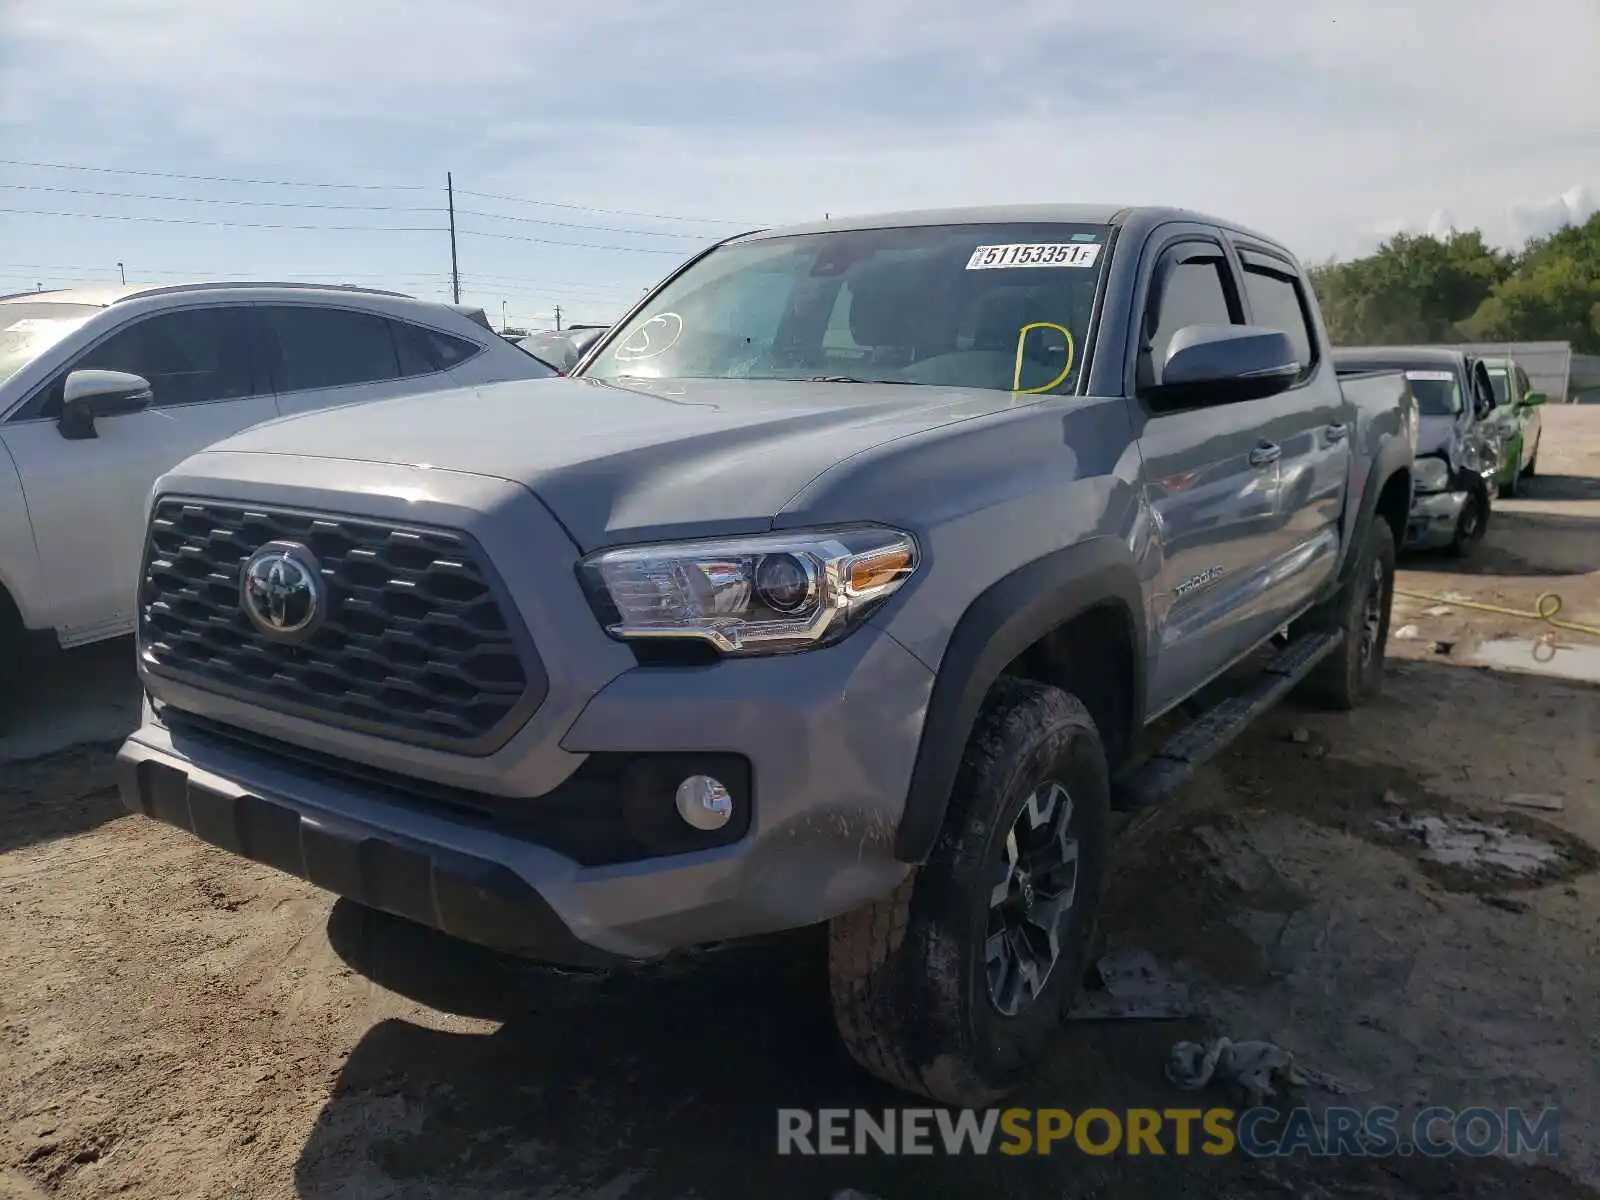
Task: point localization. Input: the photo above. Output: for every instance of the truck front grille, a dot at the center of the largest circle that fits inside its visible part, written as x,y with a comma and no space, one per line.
419,643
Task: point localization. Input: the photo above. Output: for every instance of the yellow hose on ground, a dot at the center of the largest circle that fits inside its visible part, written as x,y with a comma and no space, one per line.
1545,609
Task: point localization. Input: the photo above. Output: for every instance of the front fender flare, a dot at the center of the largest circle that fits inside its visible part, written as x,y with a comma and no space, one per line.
1003,621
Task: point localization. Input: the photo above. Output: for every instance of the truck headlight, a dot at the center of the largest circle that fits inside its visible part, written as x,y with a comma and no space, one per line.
1432,474
764,594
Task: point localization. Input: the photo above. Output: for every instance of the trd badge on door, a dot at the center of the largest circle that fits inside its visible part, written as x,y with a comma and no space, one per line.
1209,575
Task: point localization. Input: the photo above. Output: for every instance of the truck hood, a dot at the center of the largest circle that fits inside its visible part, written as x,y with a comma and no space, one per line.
1436,435
613,463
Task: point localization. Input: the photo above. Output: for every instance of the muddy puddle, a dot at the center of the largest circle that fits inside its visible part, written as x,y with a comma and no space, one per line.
1473,845
1558,659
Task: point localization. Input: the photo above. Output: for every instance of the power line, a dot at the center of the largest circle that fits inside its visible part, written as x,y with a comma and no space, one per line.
489,278
511,237
599,289
38,187
368,187
34,270
614,212
462,212
360,187
396,208
534,281
39,212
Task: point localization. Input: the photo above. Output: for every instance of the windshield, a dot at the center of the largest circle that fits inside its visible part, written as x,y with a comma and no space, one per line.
29,328
1500,380
1438,393
1004,307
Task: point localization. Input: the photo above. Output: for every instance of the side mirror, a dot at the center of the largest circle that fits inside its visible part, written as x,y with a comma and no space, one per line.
1534,399
1222,364
579,344
87,395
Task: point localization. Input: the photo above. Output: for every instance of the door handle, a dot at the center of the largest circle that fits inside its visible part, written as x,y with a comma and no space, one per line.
1337,431
1264,454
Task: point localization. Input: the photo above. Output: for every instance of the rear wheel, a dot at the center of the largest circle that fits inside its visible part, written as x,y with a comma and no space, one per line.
1354,671
952,986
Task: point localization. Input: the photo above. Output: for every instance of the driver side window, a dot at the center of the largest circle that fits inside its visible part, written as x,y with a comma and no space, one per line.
1482,391
1192,285
189,356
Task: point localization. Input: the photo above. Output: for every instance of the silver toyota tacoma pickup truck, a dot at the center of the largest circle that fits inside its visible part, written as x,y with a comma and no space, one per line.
834,586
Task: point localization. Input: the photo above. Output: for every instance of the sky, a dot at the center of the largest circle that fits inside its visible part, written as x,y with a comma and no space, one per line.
592,150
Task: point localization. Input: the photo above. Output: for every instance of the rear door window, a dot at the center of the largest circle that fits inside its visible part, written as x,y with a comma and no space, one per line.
422,350
330,347
1277,302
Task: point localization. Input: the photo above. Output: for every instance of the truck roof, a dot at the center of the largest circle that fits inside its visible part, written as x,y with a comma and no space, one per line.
1398,356
1134,217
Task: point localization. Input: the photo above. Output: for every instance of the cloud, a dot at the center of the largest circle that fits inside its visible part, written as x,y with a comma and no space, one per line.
1325,123
1542,218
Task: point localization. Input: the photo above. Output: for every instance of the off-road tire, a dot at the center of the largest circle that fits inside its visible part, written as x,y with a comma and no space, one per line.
1472,523
908,978
1354,672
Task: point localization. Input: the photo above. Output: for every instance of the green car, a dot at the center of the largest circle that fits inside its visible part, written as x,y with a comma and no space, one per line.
1518,415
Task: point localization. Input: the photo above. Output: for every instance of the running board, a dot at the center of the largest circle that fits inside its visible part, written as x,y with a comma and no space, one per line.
1170,767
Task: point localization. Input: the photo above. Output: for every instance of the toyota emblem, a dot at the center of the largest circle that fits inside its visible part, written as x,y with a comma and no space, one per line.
282,591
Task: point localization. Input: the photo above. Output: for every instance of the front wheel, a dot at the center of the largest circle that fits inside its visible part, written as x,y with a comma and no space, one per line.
953,985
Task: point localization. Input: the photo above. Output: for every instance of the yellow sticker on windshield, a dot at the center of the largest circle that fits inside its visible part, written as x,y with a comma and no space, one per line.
1022,340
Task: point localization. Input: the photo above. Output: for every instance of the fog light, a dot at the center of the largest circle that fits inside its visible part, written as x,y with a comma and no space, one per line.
704,803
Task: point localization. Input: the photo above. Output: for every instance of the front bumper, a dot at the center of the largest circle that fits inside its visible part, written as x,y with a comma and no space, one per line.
1433,519
830,737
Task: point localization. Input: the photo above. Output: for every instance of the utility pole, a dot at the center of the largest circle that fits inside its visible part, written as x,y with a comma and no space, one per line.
455,273
122,273
558,318
502,318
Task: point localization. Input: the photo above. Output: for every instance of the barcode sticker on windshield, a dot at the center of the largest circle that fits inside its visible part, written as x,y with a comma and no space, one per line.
1441,376
1035,254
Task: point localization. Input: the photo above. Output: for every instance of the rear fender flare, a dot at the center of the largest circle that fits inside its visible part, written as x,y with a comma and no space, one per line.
1394,456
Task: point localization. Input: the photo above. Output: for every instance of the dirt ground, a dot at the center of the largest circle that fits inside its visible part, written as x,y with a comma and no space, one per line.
177,1023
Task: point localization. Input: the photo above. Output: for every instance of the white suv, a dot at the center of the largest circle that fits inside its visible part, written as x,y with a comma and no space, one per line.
102,390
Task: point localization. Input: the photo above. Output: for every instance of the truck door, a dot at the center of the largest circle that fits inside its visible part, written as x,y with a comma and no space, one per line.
1312,424
1211,483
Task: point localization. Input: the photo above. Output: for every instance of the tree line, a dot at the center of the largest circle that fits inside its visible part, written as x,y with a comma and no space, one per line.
1418,288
